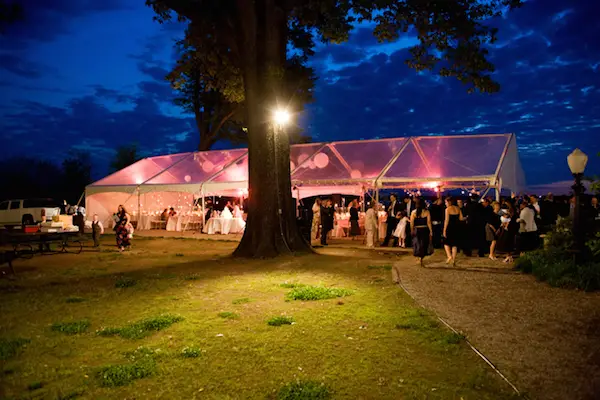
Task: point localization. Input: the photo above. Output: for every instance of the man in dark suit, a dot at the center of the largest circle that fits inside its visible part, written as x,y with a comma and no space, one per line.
475,227
408,206
326,220
392,221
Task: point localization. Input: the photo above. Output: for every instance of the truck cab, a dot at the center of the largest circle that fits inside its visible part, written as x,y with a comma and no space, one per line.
27,211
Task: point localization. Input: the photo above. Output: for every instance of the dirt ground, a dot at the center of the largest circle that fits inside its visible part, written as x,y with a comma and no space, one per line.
545,340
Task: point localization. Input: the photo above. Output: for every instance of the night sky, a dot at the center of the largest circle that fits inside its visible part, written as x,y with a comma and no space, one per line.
89,75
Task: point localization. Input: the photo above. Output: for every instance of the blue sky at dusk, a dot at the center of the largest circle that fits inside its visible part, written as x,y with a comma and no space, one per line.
89,75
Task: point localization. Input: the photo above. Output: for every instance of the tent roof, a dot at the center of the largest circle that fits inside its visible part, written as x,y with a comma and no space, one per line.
349,166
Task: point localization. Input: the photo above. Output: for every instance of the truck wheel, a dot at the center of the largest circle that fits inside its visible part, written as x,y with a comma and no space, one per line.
27,219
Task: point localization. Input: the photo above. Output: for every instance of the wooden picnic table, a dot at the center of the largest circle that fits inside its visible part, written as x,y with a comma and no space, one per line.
42,242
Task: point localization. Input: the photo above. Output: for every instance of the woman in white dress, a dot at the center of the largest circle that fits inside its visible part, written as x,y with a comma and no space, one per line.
316,221
400,231
226,213
237,212
371,225
172,220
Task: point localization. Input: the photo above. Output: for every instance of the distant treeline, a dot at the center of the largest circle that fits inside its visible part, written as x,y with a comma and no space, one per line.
25,177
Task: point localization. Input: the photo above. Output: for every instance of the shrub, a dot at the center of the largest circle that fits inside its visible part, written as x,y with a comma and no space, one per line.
304,390
555,263
71,328
119,375
191,352
454,338
142,328
125,282
35,386
292,285
228,315
317,293
559,269
75,299
10,347
281,320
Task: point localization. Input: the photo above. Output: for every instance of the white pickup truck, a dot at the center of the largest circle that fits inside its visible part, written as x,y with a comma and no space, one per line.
28,211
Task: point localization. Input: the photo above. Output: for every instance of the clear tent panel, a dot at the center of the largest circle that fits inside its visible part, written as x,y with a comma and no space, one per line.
197,168
447,157
368,158
141,171
301,152
236,172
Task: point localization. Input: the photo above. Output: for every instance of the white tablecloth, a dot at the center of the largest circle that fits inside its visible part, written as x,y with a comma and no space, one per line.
342,226
179,223
224,225
144,222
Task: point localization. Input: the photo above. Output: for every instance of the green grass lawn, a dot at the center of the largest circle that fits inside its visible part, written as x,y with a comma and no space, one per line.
179,319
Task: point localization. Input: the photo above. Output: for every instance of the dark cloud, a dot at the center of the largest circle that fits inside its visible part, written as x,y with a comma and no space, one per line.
33,88
114,95
153,71
85,123
44,20
19,66
550,95
547,61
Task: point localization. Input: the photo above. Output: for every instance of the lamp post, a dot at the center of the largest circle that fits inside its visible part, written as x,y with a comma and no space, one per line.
281,118
577,161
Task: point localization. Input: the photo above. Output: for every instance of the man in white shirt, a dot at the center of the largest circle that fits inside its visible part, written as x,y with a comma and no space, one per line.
528,236
536,207
527,219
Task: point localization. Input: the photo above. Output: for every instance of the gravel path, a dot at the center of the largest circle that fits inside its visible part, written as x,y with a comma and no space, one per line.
545,340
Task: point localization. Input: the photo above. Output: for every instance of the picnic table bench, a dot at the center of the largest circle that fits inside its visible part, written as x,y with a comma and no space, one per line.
25,245
66,241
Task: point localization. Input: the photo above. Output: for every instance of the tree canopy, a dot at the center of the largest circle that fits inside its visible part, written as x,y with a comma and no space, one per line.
452,34
256,37
10,12
124,157
211,89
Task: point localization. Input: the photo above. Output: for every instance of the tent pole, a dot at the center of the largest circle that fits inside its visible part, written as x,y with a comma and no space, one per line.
139,216
80,198
203,208
498,189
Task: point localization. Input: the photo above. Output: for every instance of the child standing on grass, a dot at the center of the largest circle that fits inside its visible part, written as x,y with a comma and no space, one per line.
97,230
400,231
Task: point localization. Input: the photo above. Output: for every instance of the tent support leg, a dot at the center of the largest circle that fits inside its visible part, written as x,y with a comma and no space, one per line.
139,216
203,212
377,196
498,190
80,198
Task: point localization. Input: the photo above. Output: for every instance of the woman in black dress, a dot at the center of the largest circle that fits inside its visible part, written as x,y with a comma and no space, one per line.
452,228
420,222
121,229
506,241
354,228
492,229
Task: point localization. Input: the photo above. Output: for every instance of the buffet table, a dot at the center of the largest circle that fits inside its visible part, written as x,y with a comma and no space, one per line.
224,226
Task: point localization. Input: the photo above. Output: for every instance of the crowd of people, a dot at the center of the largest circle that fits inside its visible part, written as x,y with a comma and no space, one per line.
508,227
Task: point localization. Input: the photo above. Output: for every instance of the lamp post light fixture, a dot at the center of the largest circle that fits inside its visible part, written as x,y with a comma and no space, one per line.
281,117
577,161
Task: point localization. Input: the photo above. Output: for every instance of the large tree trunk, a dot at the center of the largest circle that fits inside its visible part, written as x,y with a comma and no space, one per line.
271,227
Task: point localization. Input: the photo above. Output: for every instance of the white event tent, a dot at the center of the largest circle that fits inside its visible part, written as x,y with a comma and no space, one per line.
344,167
